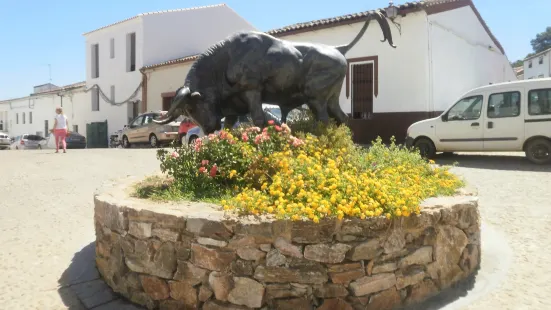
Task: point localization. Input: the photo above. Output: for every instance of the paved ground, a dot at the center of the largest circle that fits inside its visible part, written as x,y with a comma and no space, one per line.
46,228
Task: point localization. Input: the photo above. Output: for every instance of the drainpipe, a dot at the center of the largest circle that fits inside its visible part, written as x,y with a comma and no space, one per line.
144,90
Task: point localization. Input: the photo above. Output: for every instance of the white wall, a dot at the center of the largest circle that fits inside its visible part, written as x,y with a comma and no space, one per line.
178,34
113,72
403,83
164,79
43,108
461,59
537,68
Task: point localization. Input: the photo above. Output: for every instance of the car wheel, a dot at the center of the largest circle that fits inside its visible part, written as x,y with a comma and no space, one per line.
447,154
538,151
125,143
192,139
426,147
153,142
39,147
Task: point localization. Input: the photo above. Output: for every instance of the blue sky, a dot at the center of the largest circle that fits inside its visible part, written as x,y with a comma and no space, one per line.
35,33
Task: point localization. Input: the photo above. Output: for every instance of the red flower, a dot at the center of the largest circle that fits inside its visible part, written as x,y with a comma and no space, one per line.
245,137
277,128
213,171
204,162
202,169
270,122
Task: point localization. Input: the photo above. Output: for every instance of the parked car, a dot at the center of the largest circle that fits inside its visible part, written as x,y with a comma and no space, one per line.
74,140
5,141
28,142
143,130
511,116
185,125
271,112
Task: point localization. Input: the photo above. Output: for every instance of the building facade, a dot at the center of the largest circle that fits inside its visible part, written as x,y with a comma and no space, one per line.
444,49
538,66
115,54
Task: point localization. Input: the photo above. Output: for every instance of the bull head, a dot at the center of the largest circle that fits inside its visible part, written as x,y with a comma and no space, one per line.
192,105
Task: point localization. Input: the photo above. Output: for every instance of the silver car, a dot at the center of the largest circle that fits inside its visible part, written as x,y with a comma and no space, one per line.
4,141
28,142
143,130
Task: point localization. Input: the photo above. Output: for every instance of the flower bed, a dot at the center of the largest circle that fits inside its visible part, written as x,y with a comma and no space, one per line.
270,171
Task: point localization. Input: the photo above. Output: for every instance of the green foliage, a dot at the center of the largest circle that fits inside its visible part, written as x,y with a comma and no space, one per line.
542,41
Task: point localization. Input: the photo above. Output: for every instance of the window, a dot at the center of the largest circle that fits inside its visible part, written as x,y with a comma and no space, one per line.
541,76
112,94
541,60
23,117
539,102
1,125
17,118
94,57
112,48
466,109
30,117
46,129
504,105
362,90
137,122
75,128
530,64
131,52
95,99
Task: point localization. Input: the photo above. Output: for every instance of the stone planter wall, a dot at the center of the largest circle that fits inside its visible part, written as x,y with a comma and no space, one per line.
190,256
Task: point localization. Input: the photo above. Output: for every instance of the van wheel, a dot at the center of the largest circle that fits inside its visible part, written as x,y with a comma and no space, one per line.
192,140
426,147
538,151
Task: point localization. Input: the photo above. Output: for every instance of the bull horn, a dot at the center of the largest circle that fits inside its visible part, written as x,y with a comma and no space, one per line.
385,27
180,98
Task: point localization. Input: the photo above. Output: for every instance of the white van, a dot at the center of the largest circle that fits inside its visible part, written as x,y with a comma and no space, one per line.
512,116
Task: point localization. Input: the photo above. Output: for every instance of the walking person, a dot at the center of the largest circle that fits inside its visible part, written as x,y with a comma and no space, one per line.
60,129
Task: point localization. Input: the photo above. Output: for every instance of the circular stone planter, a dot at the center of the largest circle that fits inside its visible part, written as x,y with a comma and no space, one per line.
193,256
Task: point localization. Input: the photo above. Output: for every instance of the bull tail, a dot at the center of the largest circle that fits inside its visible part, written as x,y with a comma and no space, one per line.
383,23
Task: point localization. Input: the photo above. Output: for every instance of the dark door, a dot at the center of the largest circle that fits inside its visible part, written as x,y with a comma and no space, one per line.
362,90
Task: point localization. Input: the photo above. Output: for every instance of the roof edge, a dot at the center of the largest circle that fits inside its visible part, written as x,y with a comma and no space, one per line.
153,13
62,88
537,54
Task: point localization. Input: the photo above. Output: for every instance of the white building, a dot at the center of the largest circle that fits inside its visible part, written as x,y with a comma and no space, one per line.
538,65
34,114
115,54
444,49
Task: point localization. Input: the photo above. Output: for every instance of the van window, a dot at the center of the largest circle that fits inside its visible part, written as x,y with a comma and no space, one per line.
466,109
505,104
539,102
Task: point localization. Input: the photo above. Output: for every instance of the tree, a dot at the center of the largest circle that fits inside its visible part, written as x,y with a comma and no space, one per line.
517,63
542,41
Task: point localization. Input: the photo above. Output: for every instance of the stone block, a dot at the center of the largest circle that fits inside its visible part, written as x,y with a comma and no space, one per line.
165,234
366,251
421,256
275,258
221,284
206,228
335,304
330,290
386,300
211,259
154,287
246,292
190,273
310,232
373,284
287,248
292,304
326,253
250,253
385,267
184,292
286,275
211,242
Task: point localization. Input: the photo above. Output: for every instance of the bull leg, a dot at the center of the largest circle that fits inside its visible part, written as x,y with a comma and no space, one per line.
284,112
253,99
319,107
230,121
336,112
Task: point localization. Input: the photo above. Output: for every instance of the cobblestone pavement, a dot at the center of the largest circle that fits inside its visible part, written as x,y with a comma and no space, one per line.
46,228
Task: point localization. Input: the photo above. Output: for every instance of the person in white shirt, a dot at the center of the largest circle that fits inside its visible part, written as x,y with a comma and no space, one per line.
60,129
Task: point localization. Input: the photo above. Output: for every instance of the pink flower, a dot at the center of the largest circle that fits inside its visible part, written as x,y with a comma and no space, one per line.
202,169
270,122
175,155
245,137
223,134
213,171
286,128
265,129
204,162
198,144
277,128
257,129
257,140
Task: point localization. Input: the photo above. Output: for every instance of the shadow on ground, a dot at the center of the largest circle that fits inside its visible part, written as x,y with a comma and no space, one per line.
492,162
81,286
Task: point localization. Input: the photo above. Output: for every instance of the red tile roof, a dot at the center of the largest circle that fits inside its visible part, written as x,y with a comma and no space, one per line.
432,7
157,12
